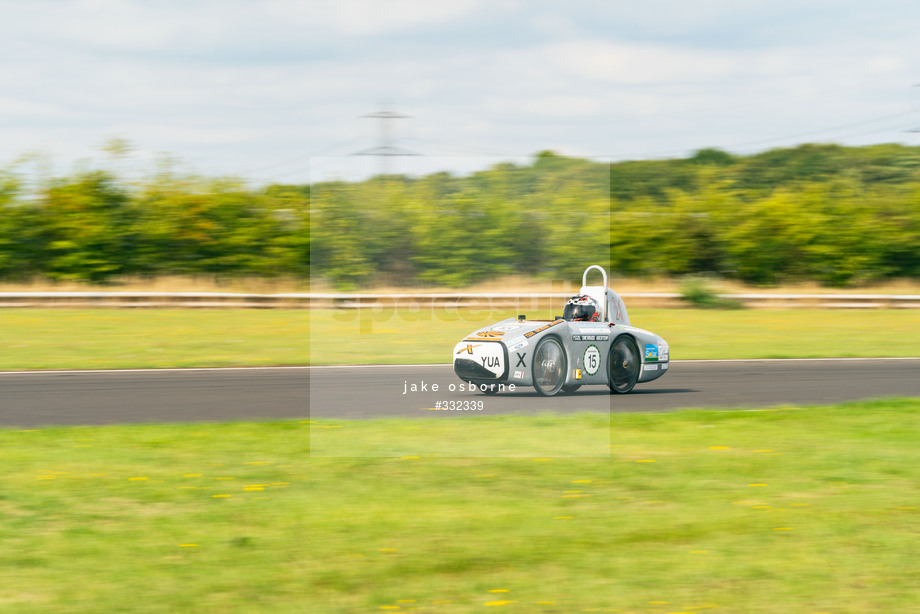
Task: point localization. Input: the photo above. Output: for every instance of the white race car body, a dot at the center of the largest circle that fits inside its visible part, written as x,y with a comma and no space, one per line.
562,355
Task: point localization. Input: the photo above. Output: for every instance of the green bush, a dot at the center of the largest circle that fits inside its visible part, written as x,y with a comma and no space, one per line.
698,291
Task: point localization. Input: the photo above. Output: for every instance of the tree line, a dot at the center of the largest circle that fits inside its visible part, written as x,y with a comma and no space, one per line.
93,227
837,215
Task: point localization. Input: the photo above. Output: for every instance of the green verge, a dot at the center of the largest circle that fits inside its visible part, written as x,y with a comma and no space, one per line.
382,337
792,509
154,338
151,338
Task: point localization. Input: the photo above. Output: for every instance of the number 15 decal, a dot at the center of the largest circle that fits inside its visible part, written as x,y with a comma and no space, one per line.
592,360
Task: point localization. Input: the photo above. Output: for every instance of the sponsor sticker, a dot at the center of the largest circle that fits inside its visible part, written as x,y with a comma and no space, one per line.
490,334
592,360
590,337
651,352
577,373
519,374
664,366
651,367
469,349
516,343
663,351
542,328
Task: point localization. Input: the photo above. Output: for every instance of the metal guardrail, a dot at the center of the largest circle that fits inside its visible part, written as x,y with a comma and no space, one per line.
154,299
522,301
551,300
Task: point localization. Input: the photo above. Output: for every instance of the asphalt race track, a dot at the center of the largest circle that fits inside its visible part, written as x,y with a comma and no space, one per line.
30,399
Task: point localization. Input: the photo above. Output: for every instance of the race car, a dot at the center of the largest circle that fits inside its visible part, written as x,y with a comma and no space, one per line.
592,343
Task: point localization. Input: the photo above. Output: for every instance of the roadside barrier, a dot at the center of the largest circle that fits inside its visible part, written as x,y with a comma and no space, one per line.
522,301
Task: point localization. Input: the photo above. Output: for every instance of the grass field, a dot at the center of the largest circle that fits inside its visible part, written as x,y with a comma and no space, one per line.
343,337
155,338
113,339
794,509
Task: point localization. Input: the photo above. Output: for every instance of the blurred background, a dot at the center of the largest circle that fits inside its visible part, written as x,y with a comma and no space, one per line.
181,145
828,214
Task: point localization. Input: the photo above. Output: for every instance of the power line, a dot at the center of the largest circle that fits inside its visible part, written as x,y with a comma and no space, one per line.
385,148
302,157
791,136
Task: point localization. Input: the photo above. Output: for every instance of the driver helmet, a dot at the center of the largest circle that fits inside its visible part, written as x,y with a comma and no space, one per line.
581,308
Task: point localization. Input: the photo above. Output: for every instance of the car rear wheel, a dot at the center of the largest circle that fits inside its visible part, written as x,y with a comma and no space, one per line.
570,389
623,365
549,366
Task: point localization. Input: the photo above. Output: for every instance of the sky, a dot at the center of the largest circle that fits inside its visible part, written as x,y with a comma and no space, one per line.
269,89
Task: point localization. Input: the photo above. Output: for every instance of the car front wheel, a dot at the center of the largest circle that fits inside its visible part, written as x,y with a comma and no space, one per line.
549,367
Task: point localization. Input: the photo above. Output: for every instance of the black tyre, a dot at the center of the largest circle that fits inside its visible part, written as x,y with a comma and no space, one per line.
623,365
549,366
571,389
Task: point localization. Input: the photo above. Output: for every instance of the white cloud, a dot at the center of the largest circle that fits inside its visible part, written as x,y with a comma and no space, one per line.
237,84
375,17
